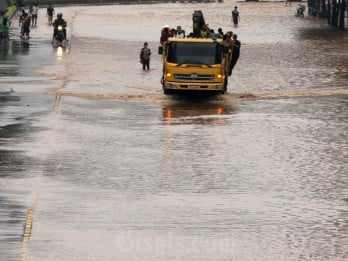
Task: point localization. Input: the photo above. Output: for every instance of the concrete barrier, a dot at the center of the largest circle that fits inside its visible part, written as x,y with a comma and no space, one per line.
121,2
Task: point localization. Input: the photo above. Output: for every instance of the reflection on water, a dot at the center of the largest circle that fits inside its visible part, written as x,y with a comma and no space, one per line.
199,113
4,50
11,165
8,66
61,51
20,47
266,183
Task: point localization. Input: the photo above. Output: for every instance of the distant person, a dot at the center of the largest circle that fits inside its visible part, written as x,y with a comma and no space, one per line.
30,10
19,5
145,54
235,53
21,17
34,13
235,16
50,13
25,29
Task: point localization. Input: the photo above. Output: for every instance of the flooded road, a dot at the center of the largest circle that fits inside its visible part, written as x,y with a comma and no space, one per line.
97,164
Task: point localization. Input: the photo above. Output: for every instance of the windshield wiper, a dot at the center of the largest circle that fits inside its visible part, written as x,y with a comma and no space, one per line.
190,62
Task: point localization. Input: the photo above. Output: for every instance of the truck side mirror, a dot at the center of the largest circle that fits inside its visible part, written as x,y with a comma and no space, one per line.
160,49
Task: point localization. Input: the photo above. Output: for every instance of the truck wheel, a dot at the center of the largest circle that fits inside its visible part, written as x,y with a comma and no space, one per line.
224,90
165,91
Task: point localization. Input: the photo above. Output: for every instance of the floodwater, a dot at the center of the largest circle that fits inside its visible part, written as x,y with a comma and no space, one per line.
100,165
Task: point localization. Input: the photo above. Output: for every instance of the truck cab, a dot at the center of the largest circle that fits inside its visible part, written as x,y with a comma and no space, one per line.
194,64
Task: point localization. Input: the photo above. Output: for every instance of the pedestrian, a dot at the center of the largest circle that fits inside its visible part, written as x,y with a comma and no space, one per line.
25,29
235,16
50,13
5,28
235,53
21,17
34,12
145,54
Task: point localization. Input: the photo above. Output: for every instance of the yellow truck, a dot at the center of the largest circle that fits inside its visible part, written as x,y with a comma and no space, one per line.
194,64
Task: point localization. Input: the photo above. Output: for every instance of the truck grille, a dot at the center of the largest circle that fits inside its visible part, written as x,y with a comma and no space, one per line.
194,77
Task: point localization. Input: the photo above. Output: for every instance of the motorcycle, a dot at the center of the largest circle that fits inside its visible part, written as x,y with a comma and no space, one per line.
300,10
60,39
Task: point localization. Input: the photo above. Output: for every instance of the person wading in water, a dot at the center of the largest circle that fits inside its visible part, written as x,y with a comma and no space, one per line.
145,54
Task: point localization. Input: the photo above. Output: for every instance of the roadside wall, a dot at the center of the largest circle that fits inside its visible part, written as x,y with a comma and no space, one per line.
101,2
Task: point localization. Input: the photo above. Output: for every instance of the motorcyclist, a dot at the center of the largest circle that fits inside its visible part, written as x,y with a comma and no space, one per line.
57,22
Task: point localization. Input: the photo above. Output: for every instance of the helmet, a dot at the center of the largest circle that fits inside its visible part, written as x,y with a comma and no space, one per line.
59,15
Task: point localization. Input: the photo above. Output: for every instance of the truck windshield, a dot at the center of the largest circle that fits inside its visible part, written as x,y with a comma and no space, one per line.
194,53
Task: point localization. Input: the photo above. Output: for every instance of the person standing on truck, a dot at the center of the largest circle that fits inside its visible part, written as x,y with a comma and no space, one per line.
145,54
164,34
180,33
227,39
221,33
235,54
205,32
235,16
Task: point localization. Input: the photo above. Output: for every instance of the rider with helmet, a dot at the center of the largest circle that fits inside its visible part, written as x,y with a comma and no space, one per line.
59,21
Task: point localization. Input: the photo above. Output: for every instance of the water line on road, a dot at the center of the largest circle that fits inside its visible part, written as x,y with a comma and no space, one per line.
56,102
158,96
28,227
